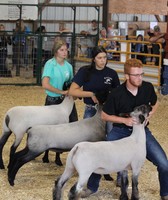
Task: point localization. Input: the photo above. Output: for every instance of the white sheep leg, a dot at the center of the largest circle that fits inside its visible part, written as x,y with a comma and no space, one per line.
124,185
135,192
75,191
60,182
136,168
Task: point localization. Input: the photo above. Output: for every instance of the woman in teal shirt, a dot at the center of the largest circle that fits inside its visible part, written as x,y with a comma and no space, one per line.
56,74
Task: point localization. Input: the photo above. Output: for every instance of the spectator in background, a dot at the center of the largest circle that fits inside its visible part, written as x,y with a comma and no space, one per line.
66,33
63,29
20,48
107,44
139,48
4,41
36,50
91,35
110,30
93,30
157,36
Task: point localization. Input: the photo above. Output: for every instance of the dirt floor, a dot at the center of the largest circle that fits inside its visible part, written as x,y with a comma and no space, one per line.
35,180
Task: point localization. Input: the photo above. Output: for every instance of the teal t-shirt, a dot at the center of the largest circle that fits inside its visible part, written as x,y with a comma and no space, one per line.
58,74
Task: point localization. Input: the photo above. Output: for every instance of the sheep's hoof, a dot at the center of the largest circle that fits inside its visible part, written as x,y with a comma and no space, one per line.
11,182
58,162
135,197
108,177
45,160
123,197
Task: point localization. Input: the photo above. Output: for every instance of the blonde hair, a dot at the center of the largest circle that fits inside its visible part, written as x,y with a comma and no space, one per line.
58,44
131,63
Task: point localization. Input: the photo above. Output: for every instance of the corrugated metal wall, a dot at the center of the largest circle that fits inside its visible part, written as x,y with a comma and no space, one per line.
67,14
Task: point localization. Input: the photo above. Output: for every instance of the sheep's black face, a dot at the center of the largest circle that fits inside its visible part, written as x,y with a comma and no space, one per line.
141,112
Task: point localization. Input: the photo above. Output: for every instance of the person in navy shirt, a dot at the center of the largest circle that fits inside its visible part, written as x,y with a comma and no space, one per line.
94,82
94,79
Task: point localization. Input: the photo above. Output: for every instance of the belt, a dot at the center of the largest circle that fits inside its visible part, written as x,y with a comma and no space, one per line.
55,98
91,106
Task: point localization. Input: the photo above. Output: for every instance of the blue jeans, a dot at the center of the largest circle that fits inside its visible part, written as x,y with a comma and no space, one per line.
155,154
90,111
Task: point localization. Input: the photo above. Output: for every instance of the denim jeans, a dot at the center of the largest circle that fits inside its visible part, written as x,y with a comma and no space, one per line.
89,111
155,154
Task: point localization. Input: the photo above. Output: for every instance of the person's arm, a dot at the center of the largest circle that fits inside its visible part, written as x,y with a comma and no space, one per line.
157,38
129,121
154,108
47,86
76,91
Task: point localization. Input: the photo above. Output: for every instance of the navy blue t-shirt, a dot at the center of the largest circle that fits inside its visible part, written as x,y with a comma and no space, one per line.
99,80
122,101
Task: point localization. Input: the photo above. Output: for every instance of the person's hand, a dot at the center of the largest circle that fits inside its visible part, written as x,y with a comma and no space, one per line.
64,92
95,100
149,116
130,121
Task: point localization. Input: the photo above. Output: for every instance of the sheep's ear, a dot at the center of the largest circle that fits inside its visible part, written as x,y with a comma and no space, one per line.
141,118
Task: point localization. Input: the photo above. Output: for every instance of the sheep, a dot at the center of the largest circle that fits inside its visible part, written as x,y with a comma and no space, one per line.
18,119
59,137
107,157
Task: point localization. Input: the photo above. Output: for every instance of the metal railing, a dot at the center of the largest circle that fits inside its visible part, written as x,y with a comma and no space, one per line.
119,50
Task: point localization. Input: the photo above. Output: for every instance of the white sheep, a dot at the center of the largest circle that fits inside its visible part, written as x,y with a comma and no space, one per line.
59,137
107,157
18,119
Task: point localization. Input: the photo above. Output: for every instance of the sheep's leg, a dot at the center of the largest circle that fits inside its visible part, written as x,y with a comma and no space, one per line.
135,192
57,190
18,163
60,182
45,157
12,153
73,194
108,177
14,146
3,141
124,185
15,157
77,188
58,159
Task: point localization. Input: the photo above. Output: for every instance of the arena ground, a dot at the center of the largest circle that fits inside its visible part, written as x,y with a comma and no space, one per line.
35,180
